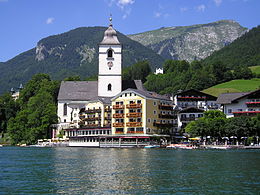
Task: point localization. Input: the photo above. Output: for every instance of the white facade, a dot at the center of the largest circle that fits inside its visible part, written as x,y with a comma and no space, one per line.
68,113
240,106
109,74
158,71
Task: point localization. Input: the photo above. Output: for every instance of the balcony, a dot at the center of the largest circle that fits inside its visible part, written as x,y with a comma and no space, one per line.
188,119
92,118
90,126
167,116
119,132
190,98
134,124
134,105
253,104
118,106
134,114
165,107
118,115
135,132
165,125
92,111
118,124
246,113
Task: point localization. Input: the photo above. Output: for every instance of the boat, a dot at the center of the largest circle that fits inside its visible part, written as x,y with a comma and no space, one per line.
152,146
181,146
1,145
218,147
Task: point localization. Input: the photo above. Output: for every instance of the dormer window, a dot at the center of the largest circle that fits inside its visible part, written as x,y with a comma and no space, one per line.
110,53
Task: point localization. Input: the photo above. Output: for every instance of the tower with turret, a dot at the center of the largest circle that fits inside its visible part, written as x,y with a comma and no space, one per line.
110,64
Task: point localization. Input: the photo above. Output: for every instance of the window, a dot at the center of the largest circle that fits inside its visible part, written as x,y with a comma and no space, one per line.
154,103
229,110
139,101
149,120
65,109
109,87
154,112
110,53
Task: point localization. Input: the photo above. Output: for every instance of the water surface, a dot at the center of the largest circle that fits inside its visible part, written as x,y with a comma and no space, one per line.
128,171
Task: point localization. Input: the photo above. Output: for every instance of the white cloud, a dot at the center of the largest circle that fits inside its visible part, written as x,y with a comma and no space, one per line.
127,13
201,8
157,14
184,9
218,2
50,20
123,3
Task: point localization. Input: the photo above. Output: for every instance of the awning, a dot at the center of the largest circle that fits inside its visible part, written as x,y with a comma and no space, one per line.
194,138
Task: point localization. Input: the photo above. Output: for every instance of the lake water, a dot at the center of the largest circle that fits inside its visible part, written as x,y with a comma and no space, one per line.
128,171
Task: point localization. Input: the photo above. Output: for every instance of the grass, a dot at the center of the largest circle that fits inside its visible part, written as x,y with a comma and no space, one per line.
234,86
255,69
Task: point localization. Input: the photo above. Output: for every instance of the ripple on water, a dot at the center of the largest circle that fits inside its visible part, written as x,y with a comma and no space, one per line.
128,171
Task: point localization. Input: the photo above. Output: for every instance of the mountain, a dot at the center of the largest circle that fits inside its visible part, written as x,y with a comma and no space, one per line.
190,42
243,51
70,53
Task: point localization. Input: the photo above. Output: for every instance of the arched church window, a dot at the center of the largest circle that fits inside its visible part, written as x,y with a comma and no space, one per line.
65,109
110,53
109,87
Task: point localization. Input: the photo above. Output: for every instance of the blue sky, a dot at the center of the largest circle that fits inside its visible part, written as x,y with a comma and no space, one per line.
24,22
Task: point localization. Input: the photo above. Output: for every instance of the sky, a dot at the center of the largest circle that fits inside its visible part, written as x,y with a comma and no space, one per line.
24,22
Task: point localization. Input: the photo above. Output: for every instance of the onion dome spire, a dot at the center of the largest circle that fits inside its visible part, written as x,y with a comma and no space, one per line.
110,35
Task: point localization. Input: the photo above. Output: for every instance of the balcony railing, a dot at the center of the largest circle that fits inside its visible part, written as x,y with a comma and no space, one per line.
134,105
159,124
107,117
165,107
134,114
107,125
118,106
119,132
188,119
135,132
118,115
90,125
93,111
253,104
134,124
189,98
118,124
92,118
168,116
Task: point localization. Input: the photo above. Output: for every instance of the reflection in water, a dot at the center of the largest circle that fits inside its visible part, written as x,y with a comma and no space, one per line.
128,171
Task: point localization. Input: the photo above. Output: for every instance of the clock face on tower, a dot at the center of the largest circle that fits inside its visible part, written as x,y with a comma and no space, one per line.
110,64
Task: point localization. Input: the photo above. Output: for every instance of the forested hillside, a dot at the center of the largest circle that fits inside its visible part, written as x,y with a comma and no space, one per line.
71,53
245,51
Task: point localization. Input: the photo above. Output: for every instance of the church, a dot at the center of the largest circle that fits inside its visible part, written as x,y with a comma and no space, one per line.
111,112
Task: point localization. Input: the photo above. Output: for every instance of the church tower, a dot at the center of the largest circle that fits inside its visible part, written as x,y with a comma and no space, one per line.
110,62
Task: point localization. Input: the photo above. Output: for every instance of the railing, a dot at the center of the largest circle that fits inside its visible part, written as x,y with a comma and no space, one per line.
134,124
93,111
159,124
118,106
108,118
191,98
118,115
168,116
118,124
253,104
107,125
188,119
119,132
92,118
134,114
165,107
90,125
135,132
134,105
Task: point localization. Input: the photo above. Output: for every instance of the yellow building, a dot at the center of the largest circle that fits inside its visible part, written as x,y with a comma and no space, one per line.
141,112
